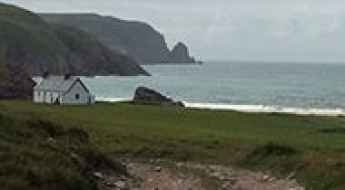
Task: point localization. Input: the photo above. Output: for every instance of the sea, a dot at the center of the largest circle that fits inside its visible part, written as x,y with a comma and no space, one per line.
300,88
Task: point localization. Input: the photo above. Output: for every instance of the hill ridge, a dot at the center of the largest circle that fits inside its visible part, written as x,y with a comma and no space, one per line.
134,38
26,39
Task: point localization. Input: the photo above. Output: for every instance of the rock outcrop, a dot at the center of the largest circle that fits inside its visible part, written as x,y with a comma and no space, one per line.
136,39
180,54
145,95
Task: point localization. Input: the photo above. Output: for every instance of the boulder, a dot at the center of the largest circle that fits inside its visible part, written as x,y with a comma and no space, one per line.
144,95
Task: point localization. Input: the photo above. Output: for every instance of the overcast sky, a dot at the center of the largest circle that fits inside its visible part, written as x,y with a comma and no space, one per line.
266,30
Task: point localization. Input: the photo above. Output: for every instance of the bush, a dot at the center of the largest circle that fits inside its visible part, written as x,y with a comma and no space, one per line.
272,149
333,131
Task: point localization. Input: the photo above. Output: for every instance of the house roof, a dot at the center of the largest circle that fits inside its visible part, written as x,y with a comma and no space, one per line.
58,84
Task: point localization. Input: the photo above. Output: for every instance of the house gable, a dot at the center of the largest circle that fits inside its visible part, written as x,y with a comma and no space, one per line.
76,94
76,82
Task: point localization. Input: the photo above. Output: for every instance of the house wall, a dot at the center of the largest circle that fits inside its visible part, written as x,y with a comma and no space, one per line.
45,97
38,96
77,90
53,97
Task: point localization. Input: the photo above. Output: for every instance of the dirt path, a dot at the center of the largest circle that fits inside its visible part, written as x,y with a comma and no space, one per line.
184,176
238,179
187,176
160,178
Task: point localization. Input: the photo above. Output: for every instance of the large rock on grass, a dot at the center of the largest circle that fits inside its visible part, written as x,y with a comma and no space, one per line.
144,95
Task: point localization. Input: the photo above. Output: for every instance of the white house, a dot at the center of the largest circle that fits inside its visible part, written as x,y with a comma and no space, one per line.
62,90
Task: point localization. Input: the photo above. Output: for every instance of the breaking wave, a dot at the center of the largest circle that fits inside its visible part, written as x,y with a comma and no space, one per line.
252,108
269,109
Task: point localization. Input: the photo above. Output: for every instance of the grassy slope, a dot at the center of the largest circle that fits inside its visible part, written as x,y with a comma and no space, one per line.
27,39
89,53
276,142
16,20
39,155
138,39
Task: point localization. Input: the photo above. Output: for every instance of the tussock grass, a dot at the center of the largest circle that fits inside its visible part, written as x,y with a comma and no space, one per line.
333,131
42,155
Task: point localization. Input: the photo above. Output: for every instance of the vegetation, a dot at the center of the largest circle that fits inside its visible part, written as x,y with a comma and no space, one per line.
15,82
137,39
88,52
40,155
3,68
284,144
28,40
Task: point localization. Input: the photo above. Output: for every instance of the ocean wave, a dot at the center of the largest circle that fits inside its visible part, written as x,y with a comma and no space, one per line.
106,99
269,109
251,108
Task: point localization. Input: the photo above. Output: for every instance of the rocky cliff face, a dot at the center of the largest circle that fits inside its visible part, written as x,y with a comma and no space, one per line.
180,54
136,39
27,40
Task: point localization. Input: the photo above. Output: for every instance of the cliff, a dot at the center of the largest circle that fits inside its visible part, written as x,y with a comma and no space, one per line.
28,41
136,39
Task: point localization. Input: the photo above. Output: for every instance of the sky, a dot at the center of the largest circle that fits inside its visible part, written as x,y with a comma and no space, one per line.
246,30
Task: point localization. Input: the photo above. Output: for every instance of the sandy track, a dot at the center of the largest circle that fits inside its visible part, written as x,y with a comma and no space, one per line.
185,176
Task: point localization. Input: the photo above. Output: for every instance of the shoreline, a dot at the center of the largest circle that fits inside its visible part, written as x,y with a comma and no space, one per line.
325,112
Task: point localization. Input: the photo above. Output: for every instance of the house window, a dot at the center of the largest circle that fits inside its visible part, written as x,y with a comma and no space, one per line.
77,96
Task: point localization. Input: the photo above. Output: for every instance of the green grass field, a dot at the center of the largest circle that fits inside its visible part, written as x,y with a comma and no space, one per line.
311,147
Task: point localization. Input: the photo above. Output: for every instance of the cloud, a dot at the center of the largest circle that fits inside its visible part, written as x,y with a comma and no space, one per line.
294,30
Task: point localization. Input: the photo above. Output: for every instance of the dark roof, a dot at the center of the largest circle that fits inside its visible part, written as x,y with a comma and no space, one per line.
57,84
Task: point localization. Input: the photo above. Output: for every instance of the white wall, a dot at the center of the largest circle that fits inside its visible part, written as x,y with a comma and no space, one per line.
70,97
38,97
55,97
45,97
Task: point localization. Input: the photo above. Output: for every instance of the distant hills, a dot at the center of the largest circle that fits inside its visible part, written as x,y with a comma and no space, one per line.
136,39
29,41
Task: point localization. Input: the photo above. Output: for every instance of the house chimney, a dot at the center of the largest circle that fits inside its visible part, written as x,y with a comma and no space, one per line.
68,76
45,74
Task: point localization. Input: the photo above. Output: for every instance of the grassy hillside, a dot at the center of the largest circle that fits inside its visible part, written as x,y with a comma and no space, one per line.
28,40
88,52
137,39
40,155
310,148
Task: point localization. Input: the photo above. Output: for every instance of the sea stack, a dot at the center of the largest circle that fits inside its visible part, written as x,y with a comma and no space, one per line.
180,54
